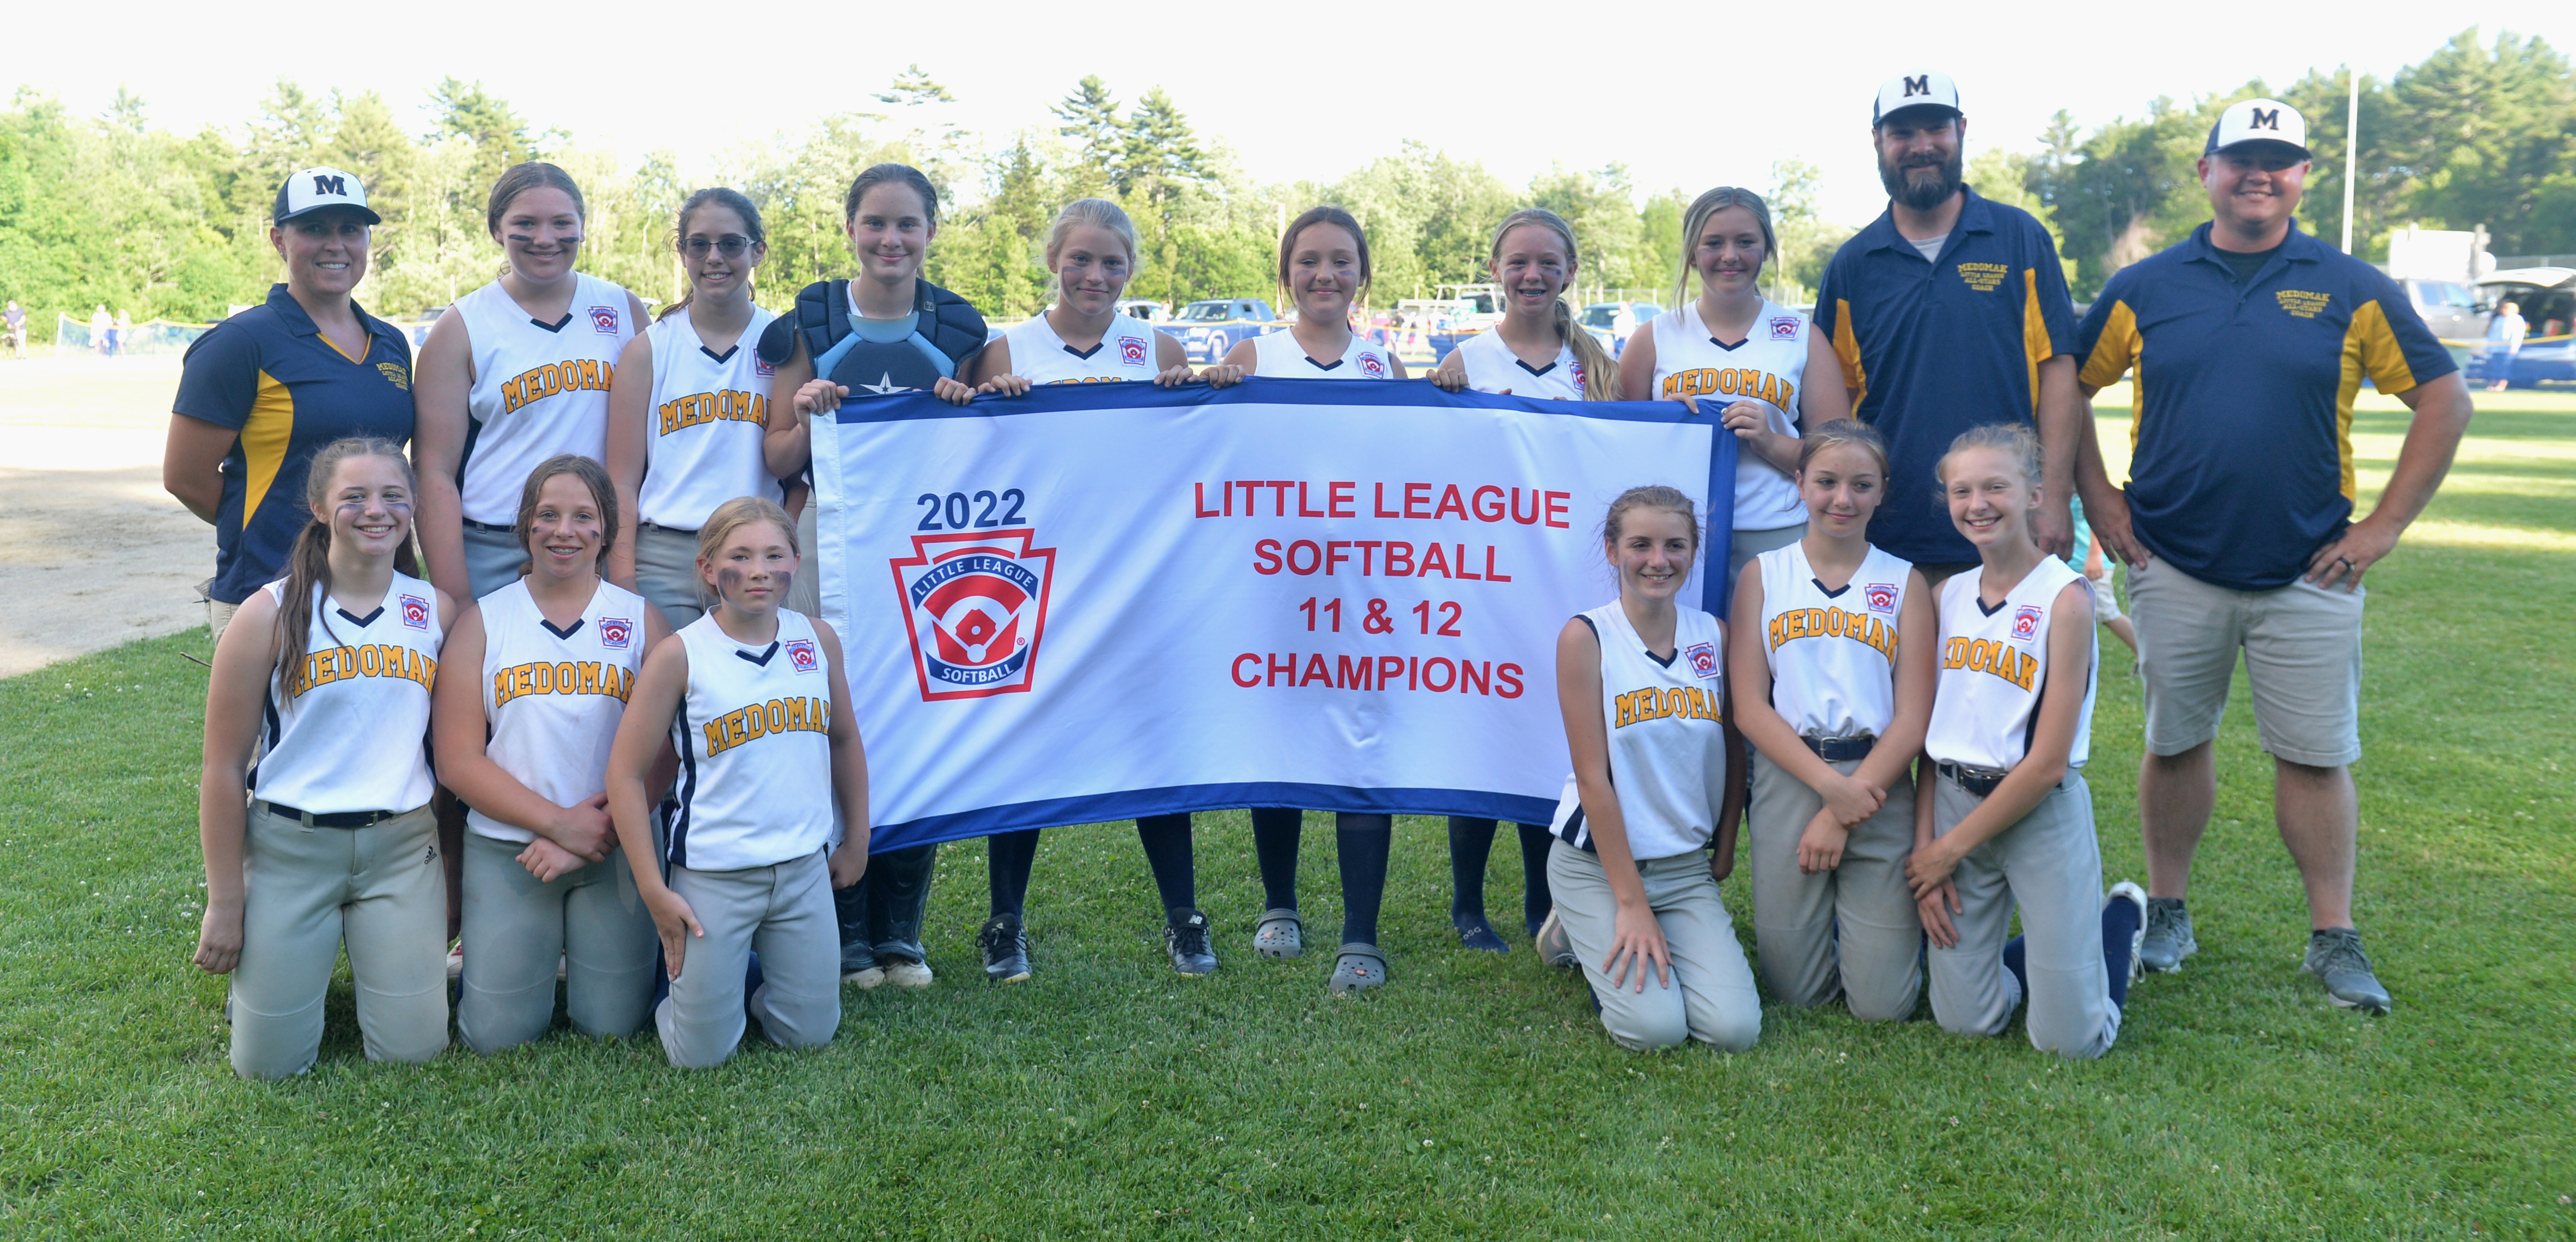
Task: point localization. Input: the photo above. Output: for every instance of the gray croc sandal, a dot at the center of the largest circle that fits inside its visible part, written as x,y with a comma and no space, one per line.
1359,968
1281,935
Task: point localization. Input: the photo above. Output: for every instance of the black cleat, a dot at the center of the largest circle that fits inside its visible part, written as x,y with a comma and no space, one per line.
1185,937
1006,949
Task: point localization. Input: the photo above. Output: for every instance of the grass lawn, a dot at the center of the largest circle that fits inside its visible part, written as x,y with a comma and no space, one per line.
1475,1097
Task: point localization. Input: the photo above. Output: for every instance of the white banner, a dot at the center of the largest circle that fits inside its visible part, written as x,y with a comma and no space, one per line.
1100,601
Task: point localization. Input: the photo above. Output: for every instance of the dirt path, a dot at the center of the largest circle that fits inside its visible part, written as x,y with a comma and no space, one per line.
93,554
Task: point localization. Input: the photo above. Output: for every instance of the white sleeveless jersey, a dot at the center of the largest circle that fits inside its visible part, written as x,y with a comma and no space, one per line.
1994,671
1667,735
539,389
1770,365
1832,653
1125,352
1278,353
348,731
1493,367
702,435
552,698
755,761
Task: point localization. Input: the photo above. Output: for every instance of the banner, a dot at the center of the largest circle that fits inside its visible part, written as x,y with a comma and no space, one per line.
1101,601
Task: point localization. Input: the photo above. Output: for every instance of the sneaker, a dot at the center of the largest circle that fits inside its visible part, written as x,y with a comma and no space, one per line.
865,977
2127,890
1554,947
2168,936
1185,937
1006,949
2336,959
909,974
456,963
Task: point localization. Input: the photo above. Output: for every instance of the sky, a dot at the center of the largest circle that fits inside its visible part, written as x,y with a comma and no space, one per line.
1714,92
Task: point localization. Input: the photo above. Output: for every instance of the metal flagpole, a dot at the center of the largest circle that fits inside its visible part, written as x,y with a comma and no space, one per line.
2351,145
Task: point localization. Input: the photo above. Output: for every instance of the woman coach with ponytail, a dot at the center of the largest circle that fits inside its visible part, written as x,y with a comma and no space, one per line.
313,806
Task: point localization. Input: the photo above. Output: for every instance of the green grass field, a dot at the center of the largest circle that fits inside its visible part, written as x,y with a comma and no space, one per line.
1475,1097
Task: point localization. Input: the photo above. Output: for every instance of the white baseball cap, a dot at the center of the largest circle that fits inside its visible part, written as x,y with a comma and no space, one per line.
313,189
1914,90
2259,120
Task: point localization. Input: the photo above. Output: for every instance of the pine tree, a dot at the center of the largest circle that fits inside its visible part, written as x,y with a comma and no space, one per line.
1159,145
1090,119
500,136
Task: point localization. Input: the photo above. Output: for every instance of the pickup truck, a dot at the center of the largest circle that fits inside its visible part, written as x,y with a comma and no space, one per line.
1207,329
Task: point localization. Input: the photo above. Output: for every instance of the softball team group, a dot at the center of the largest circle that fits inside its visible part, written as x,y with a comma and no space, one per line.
646,735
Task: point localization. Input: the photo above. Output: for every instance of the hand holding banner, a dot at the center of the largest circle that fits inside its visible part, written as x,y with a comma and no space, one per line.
1102,601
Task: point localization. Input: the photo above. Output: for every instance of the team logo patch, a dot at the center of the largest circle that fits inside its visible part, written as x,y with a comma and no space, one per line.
1372,367
616,632
415,612
2026,623
1703,659
1882,598
397,373
604,318
801,657
1784,328
1131,350
760,365
975,607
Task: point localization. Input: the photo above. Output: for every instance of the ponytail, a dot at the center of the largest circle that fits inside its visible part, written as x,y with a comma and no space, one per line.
308,566
1600,373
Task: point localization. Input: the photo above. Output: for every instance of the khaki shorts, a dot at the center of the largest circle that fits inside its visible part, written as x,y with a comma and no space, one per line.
2302,646
219,617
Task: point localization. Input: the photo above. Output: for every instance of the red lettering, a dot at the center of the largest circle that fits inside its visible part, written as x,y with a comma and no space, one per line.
1387,668
1337,496
1302,510
1394,549
1449,673
1413,501
1380,503
1491,574
1433,558
1279,495
1462,563
1315,558
1556,507
1334,553
1238,670
1451,502
1412,671
1478,503
1481,674
1251,494
1368,552
1509,675
1532,519
1315,671
1360,674
1290,668
1265,557
1198,502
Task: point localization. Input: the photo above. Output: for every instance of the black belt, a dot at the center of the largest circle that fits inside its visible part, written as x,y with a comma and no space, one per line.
488,528
337,819
1839,749
1978,783
669,529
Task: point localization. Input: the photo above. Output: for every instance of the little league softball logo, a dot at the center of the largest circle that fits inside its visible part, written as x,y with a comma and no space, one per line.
415,612
616,632
1784,328
2026,623
801,657
1371,367
604,318
975,607
1882,598
1703,659
1131,350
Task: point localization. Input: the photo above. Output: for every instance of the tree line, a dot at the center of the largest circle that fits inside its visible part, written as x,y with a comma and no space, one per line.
112,209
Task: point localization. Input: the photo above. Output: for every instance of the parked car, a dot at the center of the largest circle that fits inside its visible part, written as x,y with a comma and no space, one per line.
1612,323
2547,299
2449,308
1207,329
1146,309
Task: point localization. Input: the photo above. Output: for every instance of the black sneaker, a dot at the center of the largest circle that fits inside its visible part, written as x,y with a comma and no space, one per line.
2336,959
1185,937
1006,949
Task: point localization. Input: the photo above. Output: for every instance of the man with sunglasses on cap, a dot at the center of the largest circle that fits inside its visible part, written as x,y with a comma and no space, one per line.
263,391
1949,311
2250,339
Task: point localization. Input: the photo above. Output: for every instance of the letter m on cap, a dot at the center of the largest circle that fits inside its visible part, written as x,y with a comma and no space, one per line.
1918,86
2264,118
331,184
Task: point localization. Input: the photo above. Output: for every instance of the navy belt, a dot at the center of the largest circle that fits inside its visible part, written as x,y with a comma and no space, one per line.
1981,784
1839,749
488,528
336,819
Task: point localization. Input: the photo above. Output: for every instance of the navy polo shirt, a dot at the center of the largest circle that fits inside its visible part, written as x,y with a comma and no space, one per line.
2241,443
1931,349
269,374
